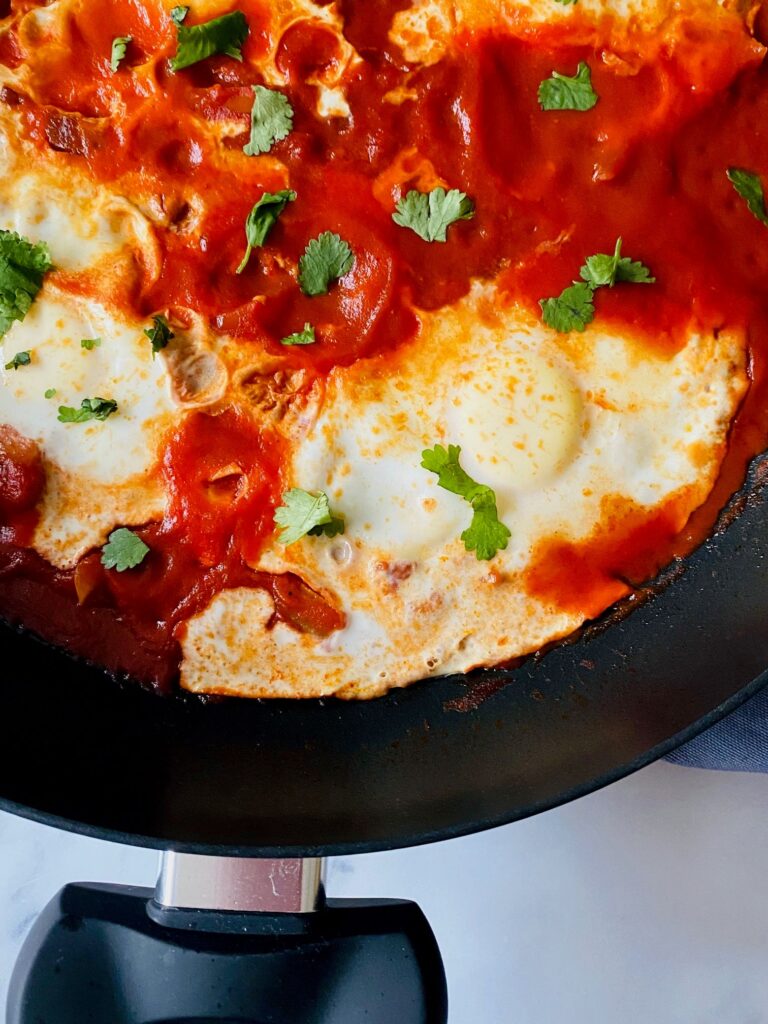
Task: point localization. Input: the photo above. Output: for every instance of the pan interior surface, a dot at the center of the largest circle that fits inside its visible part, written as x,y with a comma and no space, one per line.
251,778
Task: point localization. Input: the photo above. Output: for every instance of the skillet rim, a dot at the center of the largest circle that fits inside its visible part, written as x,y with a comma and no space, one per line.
410,839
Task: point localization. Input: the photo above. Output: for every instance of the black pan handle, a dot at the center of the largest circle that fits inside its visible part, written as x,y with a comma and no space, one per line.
103,954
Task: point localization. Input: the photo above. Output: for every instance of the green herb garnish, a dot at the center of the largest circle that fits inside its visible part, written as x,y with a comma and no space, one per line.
20,359
23,265
431,214
305,513
90,409
571,310
574,308
262,219
303,337
224,35
124,550
486,534
326,259
561,92
750,188
607,270
159,333
271,120
120,46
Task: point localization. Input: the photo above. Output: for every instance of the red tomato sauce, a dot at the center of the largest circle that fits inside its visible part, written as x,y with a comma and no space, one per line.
647,163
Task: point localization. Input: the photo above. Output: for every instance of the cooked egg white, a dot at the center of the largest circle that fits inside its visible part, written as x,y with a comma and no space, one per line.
426,30
99,474
556,425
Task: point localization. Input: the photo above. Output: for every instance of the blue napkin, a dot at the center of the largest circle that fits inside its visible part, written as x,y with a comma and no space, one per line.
738,743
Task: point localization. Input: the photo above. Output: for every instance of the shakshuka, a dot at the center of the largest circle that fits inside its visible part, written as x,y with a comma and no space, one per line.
349,343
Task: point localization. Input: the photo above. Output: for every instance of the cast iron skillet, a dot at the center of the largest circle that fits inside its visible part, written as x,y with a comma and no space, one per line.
298,778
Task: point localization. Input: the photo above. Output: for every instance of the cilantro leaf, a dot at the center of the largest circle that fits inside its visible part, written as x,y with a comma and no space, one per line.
271,120
486,534
304,337
574,307
90,343
120,46
178,14
306,513
561,92
22,267
20,359
450,474
50,393
431,214
750,188
124,550
90,409
604,270
565,3
262,219
326,259
159,333
220,35
571,310
332,529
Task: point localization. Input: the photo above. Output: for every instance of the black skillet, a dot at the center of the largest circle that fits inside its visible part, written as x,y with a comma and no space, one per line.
284,779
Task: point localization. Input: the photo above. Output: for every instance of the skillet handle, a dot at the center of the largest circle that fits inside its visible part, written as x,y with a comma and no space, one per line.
113,955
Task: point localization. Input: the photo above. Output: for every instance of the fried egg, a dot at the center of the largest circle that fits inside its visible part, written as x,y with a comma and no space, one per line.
557,427
99,474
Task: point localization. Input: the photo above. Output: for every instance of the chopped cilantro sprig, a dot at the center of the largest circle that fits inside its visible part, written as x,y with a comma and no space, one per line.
604,269
124,550
305,513
571,310
20,359
23,264
574,307
271,120
326,258
262,219
159,333
304,337
90,409
486,534
224,35
430,214
563,92
750,188
120,46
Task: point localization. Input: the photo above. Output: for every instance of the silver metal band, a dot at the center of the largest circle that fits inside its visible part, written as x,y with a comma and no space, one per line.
192,882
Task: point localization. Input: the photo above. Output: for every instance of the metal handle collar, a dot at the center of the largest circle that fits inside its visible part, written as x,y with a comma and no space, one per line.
193,882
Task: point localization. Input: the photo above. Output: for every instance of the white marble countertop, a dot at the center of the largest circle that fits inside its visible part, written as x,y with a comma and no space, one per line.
645,903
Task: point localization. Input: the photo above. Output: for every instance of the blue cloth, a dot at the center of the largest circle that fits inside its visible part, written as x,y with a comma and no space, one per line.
738,743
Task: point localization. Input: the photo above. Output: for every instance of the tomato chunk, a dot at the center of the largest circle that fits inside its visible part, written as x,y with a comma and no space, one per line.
22,476
222,475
